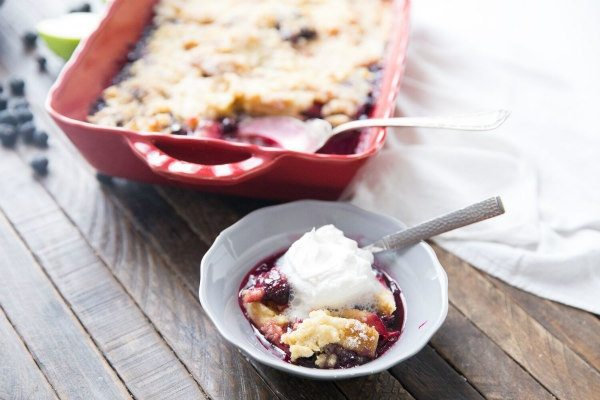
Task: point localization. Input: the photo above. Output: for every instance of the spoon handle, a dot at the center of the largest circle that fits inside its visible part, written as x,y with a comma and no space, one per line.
489,208
482,121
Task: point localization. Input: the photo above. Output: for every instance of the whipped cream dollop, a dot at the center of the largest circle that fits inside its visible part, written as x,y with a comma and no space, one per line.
327,270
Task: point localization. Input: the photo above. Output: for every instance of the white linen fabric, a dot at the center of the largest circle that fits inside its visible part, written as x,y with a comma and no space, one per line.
540,60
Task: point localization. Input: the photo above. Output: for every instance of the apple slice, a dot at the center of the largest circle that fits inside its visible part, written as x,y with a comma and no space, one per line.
63,34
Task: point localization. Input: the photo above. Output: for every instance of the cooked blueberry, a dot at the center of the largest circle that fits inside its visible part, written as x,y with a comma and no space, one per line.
345,358
3,102
29,40
277,288
40,139
27,131
40,165
22,115
304,33
17,86
8,135
7,117
83,7
228,125
98,105
42,63
177,129
104,179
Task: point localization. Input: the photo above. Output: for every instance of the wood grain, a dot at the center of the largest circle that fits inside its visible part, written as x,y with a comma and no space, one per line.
428,376
174,311
20,377
487,367
58,343
378,386
551,362
131,344
576,328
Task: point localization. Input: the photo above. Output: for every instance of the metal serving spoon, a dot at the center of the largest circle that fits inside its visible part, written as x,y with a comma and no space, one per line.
309,136
477,212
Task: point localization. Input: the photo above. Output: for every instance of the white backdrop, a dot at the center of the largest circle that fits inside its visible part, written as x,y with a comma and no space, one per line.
540,60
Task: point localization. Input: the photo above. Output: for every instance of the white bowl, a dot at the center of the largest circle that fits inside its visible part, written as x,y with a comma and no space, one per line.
263,232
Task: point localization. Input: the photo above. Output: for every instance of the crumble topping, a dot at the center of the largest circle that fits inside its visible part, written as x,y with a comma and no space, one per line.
210,60
321,329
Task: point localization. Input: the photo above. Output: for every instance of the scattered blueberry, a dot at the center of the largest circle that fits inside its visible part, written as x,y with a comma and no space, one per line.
17,86
40,165
29,40
22,115
27,131
7,117
42,63
8,135
19,103
104,179
83,7
40,139
1,88
3,102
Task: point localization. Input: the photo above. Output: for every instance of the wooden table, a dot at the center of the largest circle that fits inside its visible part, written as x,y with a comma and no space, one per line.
99,283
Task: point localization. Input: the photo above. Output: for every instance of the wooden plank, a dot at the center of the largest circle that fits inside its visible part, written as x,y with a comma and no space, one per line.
378,386
175,312
58,343
486,366
131,344
20,377
428,376
578,329
550,361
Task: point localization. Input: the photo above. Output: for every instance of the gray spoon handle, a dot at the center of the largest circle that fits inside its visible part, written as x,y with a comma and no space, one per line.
483,210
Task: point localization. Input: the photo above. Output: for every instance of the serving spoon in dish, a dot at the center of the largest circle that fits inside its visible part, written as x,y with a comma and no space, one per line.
309,136
477,212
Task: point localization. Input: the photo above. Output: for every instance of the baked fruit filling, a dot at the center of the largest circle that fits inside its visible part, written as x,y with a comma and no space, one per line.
323,337
202,67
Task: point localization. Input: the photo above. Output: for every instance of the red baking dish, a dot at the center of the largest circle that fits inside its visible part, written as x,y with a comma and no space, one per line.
204,163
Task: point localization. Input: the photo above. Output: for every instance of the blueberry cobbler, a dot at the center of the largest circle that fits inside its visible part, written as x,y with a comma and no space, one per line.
202,67
323,303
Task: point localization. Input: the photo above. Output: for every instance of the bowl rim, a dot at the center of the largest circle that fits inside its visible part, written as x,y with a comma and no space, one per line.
313,373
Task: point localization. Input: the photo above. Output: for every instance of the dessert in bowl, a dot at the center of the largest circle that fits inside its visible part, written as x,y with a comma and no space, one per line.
329,324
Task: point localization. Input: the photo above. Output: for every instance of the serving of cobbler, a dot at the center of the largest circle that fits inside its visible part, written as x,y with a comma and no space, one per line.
323,303
203,67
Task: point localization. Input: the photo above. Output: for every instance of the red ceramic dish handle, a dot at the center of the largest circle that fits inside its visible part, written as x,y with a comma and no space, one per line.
172,168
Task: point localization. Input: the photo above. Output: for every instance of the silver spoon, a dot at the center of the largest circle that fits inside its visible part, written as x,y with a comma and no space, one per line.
309,136
477,212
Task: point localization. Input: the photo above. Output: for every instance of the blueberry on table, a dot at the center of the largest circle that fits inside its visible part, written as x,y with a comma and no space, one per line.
17,86
19,103
22,115
26,131
7,117
40,165
1,87
104,179
40,139
42,63
3,102
29,40
8,135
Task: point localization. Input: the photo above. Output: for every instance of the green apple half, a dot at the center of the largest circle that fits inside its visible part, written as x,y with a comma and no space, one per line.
63,34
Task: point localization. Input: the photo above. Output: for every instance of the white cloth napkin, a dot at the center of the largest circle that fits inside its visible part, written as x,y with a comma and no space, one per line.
540,60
